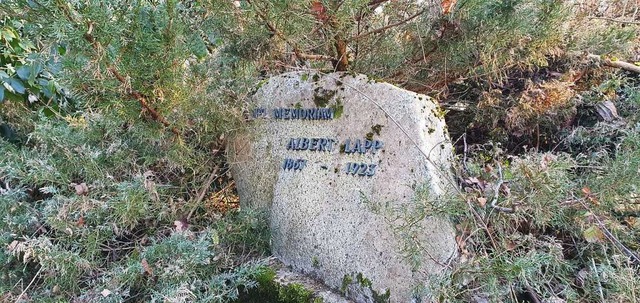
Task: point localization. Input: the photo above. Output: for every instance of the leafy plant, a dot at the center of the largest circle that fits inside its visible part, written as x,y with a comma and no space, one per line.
25,75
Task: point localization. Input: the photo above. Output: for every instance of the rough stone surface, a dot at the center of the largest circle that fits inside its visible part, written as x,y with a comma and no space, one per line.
361,235
285,276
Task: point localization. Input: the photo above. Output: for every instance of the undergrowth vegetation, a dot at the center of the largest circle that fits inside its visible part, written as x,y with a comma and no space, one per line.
553,226
114,115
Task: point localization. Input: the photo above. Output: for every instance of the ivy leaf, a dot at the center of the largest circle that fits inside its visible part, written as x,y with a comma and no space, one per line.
17,85
23,72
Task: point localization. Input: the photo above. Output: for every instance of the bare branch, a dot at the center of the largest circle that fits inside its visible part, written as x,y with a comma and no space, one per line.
296,50
203,190
314,57
141,98
496,194
616,63
384,28
616,20
376,3
634,258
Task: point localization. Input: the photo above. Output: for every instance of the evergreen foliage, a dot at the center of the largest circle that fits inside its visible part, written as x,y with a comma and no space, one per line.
114,116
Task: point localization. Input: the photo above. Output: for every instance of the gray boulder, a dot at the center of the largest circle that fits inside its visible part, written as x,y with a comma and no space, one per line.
350,170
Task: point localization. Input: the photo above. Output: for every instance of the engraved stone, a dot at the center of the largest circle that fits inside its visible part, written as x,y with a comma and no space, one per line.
349,215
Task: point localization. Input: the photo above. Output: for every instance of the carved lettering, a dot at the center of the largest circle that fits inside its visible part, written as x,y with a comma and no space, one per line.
312,144
301,113
360,169
362,146
291,164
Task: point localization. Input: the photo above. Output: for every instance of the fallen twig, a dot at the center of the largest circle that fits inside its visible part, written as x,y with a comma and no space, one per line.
496,193
203,190
609,235
30,283
616,20
616,63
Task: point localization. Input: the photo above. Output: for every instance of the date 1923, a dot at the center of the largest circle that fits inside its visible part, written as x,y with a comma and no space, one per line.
360,169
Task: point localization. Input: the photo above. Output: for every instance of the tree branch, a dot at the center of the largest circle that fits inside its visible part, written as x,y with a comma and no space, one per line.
616,20
342,58
384,28
299,54
141,98
616,63
314,57
376,3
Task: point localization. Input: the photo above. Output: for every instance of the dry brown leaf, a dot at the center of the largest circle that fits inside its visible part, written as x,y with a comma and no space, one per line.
607,110
81,189
319,11
80,222
150,185
461,243
482,201
13,246
181,225
506,189
447,6
147,268
590,196
593,234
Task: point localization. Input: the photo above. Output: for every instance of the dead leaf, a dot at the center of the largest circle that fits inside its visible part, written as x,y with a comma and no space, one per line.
475,181
633,222
181,225
506,189
447,6
319,11
150,185
81,189
590,196
482,201
13,246
146,267
488,168
593,234
607,110
80,222
105,292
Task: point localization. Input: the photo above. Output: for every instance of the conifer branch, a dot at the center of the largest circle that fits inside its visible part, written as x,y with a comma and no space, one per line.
296,50
138,96
384,28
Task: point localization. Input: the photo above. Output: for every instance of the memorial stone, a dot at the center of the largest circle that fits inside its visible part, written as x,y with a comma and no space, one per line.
347,167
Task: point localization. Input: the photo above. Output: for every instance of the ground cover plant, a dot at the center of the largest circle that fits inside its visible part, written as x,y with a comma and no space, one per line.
114,116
